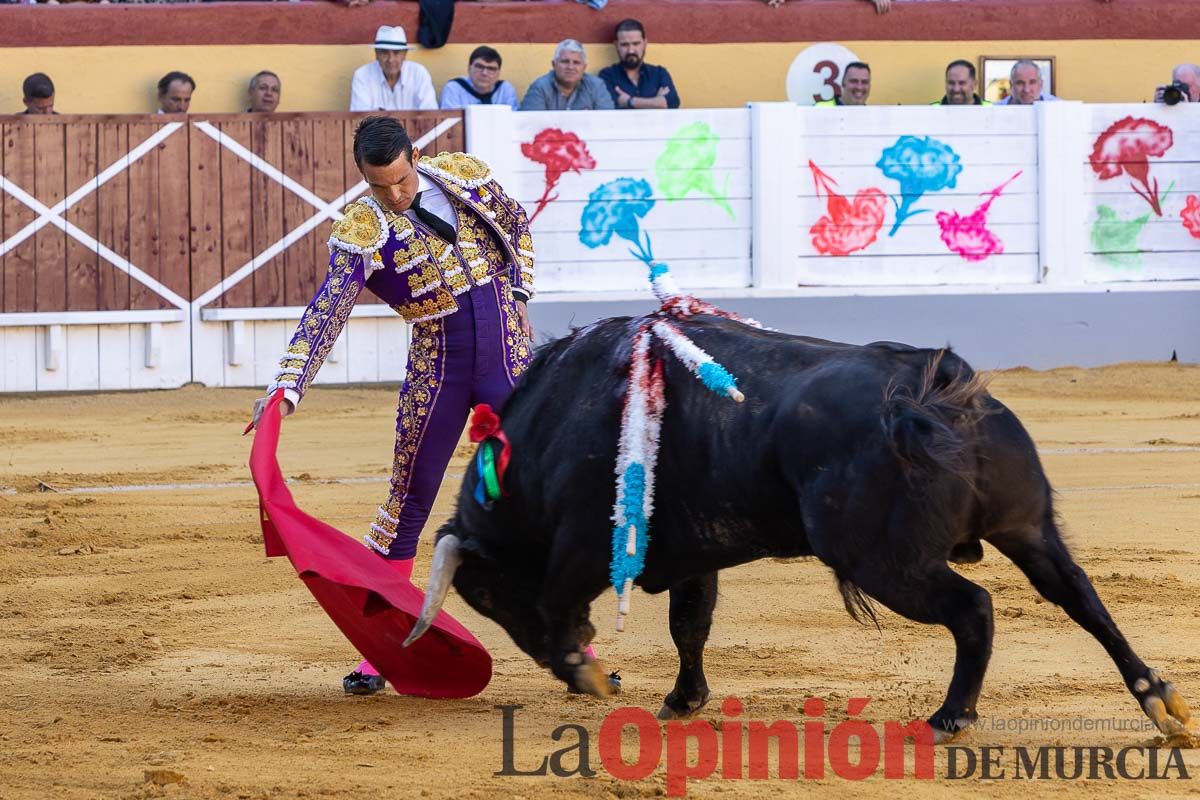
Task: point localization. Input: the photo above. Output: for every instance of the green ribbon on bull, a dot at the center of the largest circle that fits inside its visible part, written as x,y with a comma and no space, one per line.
487,471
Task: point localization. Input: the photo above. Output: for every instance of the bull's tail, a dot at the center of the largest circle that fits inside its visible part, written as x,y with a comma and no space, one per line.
858,605
928,426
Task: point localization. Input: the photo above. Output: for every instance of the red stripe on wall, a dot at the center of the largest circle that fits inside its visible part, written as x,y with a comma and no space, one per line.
547,21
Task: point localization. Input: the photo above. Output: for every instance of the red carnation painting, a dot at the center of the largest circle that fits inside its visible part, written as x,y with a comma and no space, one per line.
1126,147
1191,215
559,152
848,226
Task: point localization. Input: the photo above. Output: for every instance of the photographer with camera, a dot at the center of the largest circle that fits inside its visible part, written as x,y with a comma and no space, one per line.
1183,88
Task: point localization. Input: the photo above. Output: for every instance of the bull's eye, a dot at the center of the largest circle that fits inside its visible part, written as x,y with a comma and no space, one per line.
483,597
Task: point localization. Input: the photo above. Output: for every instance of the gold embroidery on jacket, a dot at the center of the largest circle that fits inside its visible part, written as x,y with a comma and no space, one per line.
359,227
439,305
516,346
459,168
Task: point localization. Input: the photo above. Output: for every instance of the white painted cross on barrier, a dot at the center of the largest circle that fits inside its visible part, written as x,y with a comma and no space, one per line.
325,210
53,215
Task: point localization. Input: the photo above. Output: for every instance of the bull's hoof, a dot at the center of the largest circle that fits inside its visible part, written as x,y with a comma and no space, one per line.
941,736
614,684
967,552
1163,704
589,678
672,708
947,728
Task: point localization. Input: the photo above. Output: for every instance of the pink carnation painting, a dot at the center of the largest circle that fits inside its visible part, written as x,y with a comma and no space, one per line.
968,235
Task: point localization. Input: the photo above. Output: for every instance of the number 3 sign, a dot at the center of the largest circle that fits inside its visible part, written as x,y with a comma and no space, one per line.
816,73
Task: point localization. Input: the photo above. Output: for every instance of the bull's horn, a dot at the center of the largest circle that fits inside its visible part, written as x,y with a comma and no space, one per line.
446,558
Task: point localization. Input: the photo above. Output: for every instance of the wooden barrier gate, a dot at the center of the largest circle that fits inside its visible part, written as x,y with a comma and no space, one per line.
110,222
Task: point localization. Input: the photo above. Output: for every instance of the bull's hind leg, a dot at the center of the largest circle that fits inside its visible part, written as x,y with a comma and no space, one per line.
936,594
692,604
1043,557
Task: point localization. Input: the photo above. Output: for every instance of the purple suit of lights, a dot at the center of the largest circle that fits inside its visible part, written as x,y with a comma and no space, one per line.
466,347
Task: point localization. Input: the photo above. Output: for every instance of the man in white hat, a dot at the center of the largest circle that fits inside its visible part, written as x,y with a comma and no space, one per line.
391,82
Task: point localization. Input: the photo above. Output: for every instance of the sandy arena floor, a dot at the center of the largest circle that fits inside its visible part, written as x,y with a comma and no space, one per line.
144,635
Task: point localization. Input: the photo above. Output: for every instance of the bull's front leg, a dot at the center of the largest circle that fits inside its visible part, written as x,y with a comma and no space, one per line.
692,604
571,660
572,582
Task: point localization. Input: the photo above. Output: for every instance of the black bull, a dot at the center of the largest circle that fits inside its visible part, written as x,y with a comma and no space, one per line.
884,461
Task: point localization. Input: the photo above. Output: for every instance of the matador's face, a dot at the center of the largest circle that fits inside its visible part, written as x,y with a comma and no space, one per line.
394,185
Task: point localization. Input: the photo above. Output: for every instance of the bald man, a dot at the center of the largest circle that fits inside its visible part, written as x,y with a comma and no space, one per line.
1189,76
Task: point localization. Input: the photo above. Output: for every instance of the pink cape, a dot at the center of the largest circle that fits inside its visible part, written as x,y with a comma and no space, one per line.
371,604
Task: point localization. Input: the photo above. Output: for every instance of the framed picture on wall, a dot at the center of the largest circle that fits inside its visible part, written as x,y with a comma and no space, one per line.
994,72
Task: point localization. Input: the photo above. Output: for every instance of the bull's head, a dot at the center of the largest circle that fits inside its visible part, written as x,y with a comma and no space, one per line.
501,590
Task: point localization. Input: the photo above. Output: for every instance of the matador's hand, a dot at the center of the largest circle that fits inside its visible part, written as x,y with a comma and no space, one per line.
523,320
260,405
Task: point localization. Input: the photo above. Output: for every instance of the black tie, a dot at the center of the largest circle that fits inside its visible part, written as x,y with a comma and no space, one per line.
436,224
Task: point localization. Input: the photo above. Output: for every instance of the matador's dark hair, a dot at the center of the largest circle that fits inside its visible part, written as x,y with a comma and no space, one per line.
379,141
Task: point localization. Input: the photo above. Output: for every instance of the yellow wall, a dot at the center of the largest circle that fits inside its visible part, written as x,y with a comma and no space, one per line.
99,80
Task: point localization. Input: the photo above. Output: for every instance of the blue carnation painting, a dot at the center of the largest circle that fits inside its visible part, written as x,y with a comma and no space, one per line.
920,165
617,207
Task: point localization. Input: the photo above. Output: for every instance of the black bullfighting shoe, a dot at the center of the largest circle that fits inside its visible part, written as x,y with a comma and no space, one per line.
358,683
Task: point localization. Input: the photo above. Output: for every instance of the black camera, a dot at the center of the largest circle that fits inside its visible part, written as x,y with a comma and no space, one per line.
1174,93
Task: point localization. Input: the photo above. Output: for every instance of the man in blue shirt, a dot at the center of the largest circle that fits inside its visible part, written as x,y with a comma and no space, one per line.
481,85
567,86
632,82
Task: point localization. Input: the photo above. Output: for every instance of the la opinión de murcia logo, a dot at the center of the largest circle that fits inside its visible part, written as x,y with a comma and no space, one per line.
632,745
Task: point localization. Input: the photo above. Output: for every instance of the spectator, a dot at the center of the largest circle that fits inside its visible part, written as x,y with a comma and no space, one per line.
264,92
481,85
1189,76
391,82
1025,85
38,92
960,86
632,82
567,87
856,86
175,93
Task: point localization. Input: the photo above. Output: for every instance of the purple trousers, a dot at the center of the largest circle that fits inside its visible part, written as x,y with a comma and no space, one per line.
472,356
